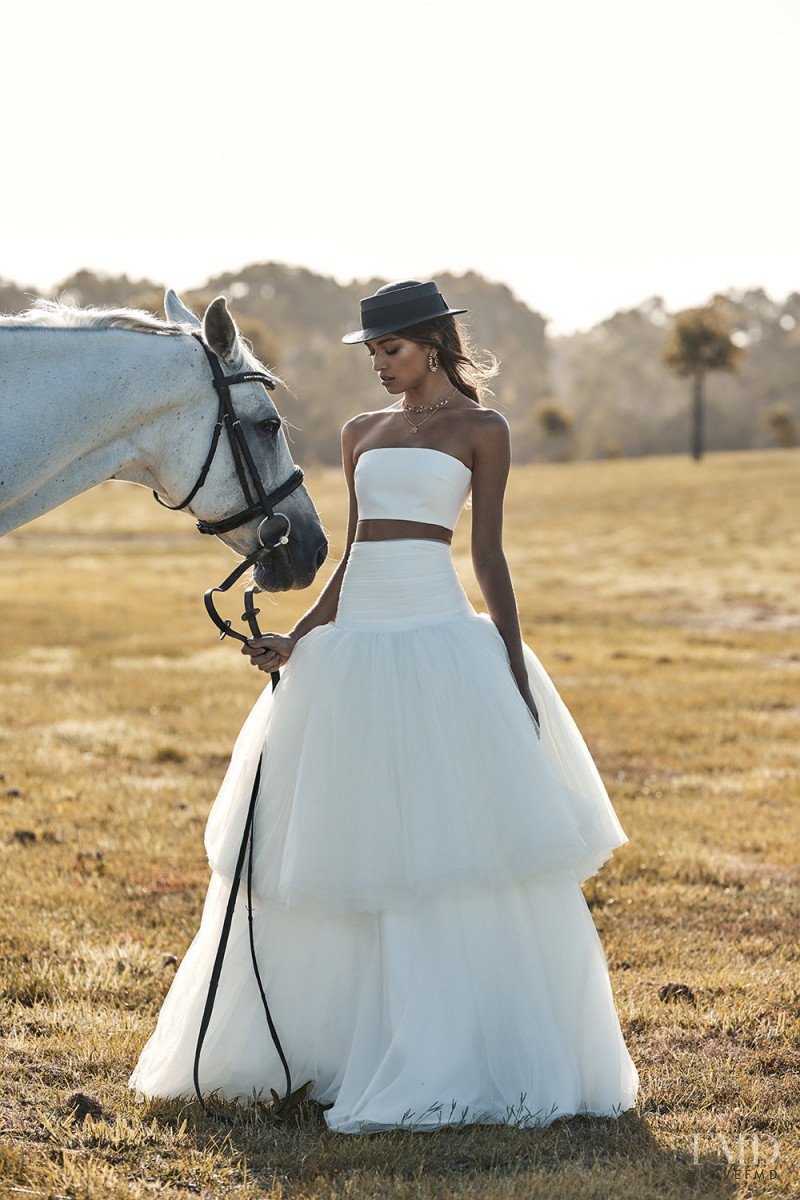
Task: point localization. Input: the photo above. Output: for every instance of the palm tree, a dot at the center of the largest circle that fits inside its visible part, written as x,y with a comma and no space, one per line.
700,341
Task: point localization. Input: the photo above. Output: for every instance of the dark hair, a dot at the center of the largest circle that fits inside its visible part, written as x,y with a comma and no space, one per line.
448,337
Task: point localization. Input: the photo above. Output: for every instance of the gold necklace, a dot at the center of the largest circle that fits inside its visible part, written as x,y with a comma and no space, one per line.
430,409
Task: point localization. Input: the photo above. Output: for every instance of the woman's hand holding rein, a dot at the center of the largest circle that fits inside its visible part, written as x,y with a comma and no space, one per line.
271,651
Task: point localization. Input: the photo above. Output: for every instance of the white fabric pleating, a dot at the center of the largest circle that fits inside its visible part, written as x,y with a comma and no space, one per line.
427,952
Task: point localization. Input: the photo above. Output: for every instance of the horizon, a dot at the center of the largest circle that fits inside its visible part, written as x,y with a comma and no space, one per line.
553,330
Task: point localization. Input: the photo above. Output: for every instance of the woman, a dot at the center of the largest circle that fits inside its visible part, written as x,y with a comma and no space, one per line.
426,809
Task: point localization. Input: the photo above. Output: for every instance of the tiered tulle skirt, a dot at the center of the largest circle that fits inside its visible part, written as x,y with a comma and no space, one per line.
427,952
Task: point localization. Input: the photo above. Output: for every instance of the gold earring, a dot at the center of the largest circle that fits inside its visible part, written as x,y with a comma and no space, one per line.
433,360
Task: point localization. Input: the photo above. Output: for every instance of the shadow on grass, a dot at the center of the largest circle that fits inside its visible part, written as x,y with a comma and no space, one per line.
578,1157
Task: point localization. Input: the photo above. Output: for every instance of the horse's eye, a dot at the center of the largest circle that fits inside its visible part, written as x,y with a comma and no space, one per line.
270,425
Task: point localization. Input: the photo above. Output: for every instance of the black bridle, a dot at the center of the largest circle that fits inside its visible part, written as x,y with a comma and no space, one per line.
273,531
275,528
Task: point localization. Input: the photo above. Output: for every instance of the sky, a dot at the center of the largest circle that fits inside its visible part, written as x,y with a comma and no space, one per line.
589,155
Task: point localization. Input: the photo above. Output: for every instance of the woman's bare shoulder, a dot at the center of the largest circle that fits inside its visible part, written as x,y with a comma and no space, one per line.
363,420
359,426
489,431
489,420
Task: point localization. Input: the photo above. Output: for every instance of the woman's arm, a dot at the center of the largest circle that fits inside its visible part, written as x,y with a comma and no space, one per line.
490,467
273,650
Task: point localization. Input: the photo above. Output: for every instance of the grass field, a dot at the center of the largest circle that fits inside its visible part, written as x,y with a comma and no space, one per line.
661,595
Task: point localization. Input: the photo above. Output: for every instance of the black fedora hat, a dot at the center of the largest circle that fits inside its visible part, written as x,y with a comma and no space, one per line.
398,305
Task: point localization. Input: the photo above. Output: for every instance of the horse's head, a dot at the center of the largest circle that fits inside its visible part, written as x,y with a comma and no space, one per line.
295,563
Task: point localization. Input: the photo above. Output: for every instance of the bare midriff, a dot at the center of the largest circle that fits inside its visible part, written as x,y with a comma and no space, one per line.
384,530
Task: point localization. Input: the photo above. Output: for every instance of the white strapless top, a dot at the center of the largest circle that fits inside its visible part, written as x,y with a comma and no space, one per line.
411,483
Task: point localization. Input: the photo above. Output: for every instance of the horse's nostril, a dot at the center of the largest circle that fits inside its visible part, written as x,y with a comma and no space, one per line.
322,554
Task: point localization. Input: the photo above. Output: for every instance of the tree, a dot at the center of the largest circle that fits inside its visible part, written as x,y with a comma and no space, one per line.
106,291
782,424
556,422
699,342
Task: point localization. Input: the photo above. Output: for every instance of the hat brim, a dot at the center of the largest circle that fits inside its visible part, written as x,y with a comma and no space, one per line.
376,331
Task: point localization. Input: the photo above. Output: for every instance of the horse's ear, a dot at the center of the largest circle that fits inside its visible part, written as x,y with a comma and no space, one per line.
177,311
220,331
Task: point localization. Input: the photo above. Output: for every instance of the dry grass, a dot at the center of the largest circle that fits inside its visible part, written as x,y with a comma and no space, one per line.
661,595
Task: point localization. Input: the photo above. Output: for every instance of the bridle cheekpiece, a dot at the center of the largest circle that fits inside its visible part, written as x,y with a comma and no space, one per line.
275,528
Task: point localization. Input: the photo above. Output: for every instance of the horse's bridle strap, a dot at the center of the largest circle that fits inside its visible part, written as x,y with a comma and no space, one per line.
206,467
242,377
225,525
242,455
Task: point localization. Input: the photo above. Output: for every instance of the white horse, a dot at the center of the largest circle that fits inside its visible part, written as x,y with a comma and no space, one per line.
92,394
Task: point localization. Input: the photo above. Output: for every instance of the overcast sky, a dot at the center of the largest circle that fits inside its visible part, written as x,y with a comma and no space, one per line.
589,154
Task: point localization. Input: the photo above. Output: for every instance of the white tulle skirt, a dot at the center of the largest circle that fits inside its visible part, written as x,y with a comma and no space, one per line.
428,955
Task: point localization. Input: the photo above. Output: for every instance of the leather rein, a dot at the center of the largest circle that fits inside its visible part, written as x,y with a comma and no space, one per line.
273,531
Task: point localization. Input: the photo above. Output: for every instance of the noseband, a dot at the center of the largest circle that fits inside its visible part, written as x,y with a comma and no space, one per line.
275,528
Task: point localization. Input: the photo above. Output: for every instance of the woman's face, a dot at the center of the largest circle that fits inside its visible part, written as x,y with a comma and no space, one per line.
401,365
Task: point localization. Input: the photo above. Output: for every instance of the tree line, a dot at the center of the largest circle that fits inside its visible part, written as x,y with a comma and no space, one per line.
617,389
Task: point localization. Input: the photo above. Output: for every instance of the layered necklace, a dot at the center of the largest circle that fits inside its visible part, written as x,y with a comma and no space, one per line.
430,409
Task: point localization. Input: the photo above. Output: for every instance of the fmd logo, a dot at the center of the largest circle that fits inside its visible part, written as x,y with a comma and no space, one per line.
747,1157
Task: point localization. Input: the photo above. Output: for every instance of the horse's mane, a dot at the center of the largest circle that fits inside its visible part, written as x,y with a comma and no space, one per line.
50,314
